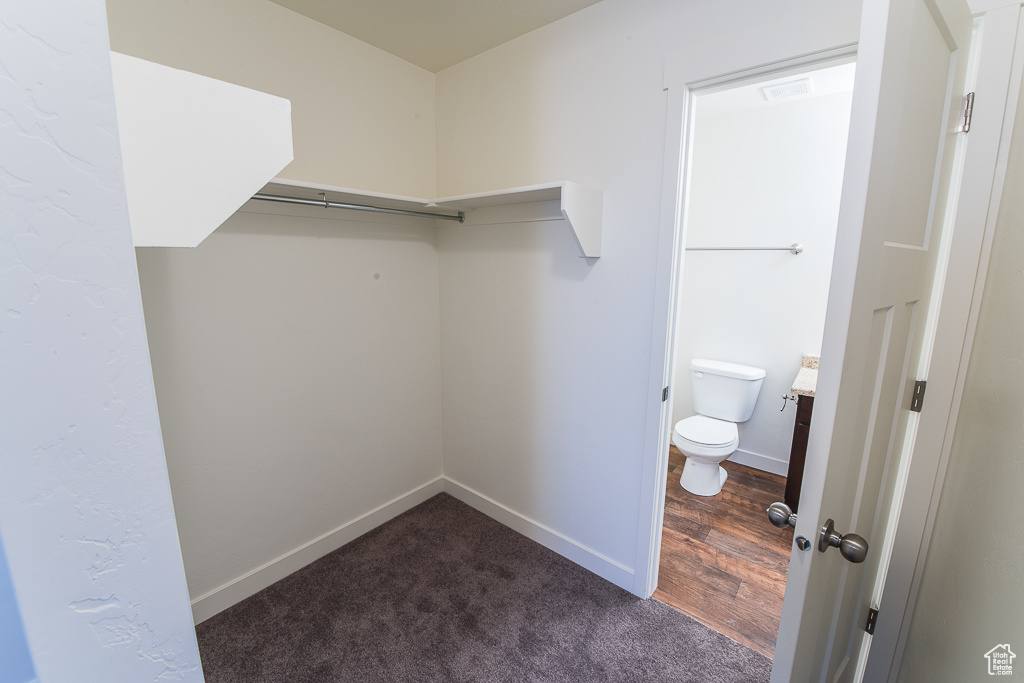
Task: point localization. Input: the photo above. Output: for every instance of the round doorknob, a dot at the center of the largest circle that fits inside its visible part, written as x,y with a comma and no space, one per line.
780,515
851,546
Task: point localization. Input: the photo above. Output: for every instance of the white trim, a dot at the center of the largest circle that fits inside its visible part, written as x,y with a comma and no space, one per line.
236,590
219,599
587,558
764,463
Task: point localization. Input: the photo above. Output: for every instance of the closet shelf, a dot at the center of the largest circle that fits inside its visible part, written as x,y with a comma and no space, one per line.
194,149
579,206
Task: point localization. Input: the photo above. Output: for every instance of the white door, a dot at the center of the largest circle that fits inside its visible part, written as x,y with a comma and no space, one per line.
911,67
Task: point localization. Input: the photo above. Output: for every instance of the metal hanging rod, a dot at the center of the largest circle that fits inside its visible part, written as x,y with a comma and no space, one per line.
794,248
327,204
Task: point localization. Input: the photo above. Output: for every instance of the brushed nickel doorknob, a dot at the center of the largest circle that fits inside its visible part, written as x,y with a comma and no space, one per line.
780,515
852,546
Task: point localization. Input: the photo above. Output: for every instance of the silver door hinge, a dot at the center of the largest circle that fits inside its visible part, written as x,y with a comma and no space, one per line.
966,111
872,620
664,394
917,400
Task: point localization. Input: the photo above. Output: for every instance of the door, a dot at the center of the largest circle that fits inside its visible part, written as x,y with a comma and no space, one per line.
911,67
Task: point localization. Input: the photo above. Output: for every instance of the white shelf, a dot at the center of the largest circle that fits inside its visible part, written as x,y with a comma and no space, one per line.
195,149
579,206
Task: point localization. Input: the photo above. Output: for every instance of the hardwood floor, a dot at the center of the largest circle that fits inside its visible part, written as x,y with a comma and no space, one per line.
722,562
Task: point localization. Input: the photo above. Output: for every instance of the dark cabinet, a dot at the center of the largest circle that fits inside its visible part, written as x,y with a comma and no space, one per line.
798,451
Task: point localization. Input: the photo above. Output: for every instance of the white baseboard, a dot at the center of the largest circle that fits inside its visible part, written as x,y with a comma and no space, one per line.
588,558
760,462
219,599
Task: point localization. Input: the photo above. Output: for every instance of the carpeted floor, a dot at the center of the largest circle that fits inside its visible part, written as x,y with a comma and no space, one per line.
444,593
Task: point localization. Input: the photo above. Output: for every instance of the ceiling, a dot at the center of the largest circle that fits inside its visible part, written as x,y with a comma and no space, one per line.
435,34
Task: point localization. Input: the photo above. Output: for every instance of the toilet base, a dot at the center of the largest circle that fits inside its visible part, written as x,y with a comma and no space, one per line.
703,478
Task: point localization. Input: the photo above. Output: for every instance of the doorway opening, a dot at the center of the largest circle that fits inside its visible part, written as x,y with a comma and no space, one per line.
762,183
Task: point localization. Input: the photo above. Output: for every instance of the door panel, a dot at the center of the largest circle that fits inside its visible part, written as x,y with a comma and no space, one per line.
910,77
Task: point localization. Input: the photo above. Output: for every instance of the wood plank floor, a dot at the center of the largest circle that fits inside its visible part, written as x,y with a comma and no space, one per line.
722,562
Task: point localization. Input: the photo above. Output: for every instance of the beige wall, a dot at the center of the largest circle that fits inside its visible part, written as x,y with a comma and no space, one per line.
972,591
361,118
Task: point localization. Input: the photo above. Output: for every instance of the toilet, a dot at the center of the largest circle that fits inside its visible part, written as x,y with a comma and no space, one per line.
723,394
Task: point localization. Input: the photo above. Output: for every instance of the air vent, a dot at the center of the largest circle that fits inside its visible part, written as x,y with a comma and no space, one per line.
782,91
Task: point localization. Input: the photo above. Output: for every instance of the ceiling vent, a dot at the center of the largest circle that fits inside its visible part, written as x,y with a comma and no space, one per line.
782,91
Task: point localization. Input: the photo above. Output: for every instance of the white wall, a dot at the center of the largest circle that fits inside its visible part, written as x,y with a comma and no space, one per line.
768,175
85,510
361,118
971,589
545,356
296,360
296,366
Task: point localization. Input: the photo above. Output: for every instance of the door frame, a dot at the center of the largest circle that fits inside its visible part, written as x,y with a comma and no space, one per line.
682,88
997,86
682,84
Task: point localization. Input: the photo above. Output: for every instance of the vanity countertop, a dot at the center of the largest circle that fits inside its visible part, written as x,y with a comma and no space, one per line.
807,379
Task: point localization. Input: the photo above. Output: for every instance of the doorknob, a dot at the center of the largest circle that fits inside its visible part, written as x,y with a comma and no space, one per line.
853,547
780,515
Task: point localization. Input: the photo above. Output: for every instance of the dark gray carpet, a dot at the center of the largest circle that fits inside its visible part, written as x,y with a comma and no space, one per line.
444,593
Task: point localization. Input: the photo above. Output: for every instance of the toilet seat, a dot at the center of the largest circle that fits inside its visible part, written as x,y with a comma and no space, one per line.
705,436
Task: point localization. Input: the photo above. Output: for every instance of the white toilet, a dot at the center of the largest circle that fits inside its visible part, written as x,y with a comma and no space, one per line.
723,394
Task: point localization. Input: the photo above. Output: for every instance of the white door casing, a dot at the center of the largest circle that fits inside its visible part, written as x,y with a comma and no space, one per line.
912,64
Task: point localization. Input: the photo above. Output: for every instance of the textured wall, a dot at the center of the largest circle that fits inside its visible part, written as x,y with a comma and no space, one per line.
85,509
972,588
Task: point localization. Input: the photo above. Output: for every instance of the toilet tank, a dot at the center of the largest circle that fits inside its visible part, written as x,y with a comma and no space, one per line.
726,391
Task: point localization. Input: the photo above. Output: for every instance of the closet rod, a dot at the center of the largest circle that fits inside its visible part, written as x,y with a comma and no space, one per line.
793,248
327,204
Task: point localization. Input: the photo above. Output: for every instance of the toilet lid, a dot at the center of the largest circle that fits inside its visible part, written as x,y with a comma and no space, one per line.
707,430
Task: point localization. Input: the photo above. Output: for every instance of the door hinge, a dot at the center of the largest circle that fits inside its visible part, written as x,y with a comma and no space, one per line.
872,619
966,111
664,394
917,400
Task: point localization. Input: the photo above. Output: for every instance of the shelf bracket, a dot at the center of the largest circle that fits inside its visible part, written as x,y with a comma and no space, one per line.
582,208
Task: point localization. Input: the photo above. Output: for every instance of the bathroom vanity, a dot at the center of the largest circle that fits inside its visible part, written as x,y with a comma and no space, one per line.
803,387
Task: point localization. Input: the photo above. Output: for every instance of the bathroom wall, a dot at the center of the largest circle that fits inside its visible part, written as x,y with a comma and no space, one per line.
296,359
85,511
763,174
546,356
971,589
